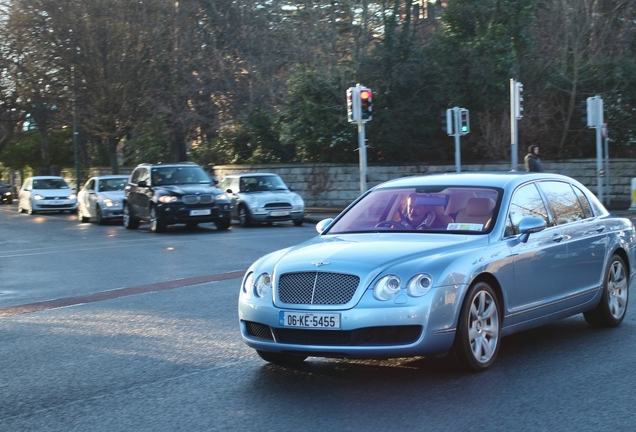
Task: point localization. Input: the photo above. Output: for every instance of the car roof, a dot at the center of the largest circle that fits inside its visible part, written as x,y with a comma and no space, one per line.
111,176
251,175
171,164
500,179
45,177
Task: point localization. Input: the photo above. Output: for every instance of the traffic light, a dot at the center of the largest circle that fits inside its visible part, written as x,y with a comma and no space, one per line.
518,100
366,100
448,121
464,121
353,106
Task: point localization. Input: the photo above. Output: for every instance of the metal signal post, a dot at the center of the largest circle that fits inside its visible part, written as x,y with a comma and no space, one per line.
516,114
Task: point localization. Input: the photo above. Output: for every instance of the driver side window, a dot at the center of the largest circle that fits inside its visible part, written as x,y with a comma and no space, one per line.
525,202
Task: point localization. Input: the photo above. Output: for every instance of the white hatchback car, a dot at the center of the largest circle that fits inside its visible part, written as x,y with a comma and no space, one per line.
46,193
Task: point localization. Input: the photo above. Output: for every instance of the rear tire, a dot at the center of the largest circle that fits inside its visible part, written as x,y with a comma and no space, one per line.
299,222
80,215
478,330
281,359
612,307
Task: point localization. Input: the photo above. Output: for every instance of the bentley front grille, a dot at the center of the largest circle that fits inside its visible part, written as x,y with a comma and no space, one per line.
317,288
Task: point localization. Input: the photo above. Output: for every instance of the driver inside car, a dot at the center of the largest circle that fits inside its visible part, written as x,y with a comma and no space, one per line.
419,216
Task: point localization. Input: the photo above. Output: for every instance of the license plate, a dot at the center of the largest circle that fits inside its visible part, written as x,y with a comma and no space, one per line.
203,212
310,320
280,213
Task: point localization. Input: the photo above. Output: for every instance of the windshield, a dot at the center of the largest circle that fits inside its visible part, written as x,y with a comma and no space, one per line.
112,185
261,184
422,209
53,183
165,176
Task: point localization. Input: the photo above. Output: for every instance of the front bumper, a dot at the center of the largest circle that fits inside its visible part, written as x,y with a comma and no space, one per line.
54,205
182,213
277,215
387,331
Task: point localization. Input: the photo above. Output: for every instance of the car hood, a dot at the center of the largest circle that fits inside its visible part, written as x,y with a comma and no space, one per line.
370,253
53,192
191,189
113,195
268,196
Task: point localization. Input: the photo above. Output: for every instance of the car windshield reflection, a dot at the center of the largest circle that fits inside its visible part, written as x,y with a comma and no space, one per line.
419,209
261,184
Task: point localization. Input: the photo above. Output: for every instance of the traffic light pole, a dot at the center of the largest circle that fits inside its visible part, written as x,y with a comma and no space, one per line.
362,148
458,147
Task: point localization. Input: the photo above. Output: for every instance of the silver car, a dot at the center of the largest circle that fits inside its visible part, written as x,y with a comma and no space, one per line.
262,197
101,198
46,193
441,265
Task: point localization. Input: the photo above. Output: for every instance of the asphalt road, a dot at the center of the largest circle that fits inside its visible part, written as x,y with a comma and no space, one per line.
105,329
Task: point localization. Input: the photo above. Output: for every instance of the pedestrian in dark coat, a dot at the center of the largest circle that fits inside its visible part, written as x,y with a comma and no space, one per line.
533,163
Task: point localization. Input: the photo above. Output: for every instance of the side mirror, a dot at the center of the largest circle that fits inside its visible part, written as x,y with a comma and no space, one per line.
215,180
229,191
323,225
529,225
142,183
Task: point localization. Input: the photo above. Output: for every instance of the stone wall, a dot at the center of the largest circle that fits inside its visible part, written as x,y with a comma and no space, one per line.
334,185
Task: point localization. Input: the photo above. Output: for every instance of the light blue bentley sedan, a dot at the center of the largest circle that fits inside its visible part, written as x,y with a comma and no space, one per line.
441,265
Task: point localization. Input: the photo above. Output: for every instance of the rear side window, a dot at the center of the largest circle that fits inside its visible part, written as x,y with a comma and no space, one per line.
563,201
585,203
526,201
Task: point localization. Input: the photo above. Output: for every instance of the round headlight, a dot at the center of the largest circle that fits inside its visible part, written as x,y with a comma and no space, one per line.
419,285
387,287
221,197
167,199
297,200
262,285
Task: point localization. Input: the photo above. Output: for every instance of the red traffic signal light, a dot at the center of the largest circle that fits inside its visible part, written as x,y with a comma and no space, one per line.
365,103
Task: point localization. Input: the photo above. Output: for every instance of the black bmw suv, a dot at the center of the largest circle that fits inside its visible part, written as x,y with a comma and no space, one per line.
167,194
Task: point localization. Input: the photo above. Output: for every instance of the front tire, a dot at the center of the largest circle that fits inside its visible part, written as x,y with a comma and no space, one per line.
281,359
129,220
613,305
156,224
244,216
222,225
478,330
99,217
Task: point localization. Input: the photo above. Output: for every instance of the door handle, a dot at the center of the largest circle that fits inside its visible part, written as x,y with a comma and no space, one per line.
600,228
557,238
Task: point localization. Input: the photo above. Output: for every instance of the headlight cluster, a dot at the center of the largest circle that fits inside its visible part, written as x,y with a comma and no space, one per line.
257,286
71,196
166,199
298,201
38,197
389,286
109,202
222,197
